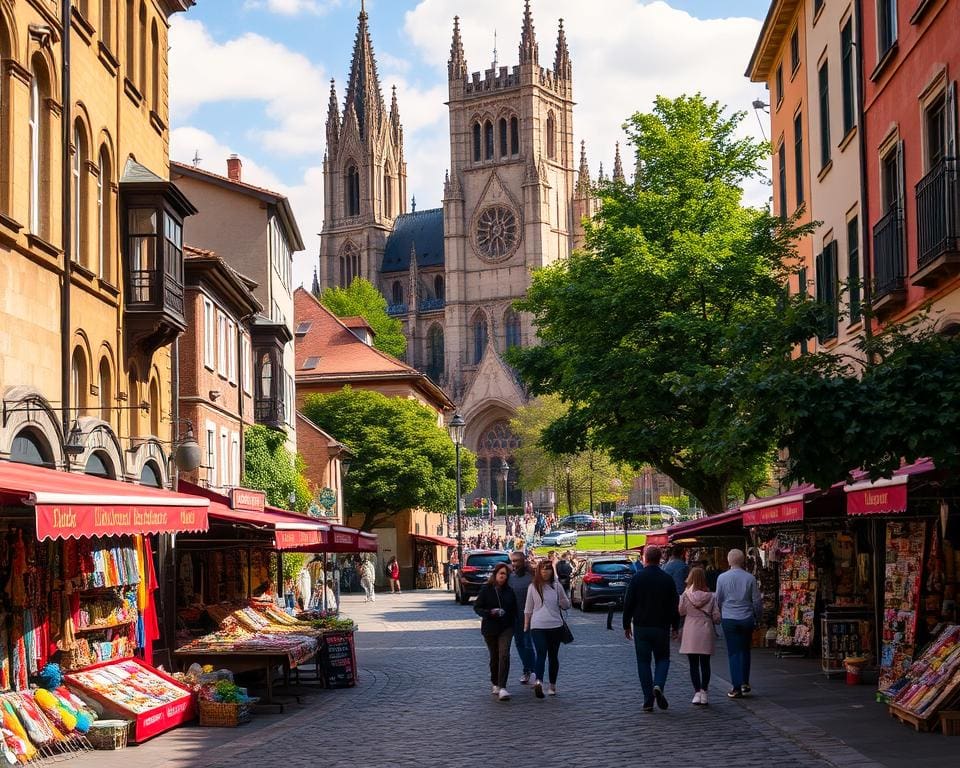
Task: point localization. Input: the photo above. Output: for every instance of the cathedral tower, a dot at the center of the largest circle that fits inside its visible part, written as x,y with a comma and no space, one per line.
365,174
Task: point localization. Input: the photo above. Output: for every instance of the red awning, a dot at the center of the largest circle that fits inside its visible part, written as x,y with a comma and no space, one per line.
69,505
443,541
786,507
886,496
726,523
367,542
656,538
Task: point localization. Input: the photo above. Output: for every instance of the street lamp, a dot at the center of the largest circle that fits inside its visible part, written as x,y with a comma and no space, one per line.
504,471
568,469
456,427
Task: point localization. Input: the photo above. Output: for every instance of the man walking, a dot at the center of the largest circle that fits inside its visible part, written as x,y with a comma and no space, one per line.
368,577
520,582
649,612
738,598
676,568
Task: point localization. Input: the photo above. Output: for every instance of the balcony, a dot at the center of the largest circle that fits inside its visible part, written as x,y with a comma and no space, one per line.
889,261
938,225
432,305
270,412
397,309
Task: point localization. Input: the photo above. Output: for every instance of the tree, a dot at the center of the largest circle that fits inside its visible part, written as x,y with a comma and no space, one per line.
402,458
362,299
659,332
268,466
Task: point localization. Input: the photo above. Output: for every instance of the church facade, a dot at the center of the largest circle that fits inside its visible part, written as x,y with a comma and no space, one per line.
512,202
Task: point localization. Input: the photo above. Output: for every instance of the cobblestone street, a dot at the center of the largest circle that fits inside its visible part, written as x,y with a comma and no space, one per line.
424,700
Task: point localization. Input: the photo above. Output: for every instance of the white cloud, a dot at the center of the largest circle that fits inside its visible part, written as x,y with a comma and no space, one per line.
292,7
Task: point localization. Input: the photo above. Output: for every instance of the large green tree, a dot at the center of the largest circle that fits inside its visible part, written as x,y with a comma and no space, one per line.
268,466
657,333
361,298
402,458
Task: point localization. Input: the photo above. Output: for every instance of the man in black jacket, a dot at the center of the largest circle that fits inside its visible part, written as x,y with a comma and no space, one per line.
649,613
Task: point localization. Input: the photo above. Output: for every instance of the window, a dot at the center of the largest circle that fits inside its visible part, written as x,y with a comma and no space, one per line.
817,6
246,364
504,137
823,77
288,395
488,140
38,143
142,236
104,260
514,136
435,353
79,187
848,76
853,268
480,335
105,389
211,430
352,191
438,287
154,407
266,377
106,23
827,294
279,252
349,265
29,447
782,179
886,26
154,68
935,131
795,49
551,136
131,43
310,363
802,291
224,458
234,459
477,142
78,381
890,180
798,156
397,292
209,343
388,196
778,84
222,343
511,324
232,351
142,69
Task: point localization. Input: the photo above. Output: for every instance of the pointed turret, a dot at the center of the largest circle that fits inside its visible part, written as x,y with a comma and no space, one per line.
583,180
529,50
395,118
618,176
315,288
364,97
600,177
414,280
562,68
333,115
457,66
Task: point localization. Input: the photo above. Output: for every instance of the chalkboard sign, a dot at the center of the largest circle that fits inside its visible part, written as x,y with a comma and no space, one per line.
339,660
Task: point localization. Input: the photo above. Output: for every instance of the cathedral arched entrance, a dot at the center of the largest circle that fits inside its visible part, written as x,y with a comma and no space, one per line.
497,443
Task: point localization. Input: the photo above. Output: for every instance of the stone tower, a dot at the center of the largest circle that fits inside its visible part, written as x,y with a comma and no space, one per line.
365,174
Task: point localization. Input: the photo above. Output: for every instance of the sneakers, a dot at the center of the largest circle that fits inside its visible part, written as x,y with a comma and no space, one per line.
648,707
496,690
524,678
503,695
538,689
700,698
660,698
696,698
735,693
745,689
552,690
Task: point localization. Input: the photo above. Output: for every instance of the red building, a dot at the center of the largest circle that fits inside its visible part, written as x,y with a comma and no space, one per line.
911,60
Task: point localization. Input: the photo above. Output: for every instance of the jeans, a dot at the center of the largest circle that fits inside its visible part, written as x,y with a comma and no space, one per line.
699,671
524,643
499,647
547,645
652,643
368,589
739,634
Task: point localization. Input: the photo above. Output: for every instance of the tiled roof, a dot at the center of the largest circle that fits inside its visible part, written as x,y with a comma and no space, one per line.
356,322
424,230
191,170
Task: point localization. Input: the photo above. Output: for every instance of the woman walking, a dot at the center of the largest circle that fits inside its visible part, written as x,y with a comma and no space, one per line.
543,617
393,571
699,606
497,606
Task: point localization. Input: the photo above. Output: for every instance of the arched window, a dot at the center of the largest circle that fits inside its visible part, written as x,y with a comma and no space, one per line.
39,140
79,223
388,196
551,136
105,389
133,398
477,143
266,377
104,233
154,407
30,447
488,140
351,191
349,265
438,287
397,292
480,335
106,23
511,325
142,64
150,475
78,381
131,42
435,358
503,137
100,465
514,136
154,67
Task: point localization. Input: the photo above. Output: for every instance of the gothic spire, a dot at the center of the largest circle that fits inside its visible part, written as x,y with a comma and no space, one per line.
457,66
583,180
600,177
364,96
333,113
315,288
529,50
562,67
618,176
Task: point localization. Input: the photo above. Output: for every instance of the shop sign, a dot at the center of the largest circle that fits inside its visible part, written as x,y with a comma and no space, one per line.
298,539
64,521
791,512
880,500
248,500
343,538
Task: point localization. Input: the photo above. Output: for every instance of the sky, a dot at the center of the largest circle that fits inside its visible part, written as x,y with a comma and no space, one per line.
252,77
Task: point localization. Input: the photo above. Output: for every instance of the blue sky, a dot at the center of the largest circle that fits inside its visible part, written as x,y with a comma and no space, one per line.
252,76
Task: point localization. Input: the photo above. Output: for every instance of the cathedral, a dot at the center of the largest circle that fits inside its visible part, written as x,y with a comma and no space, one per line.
512,202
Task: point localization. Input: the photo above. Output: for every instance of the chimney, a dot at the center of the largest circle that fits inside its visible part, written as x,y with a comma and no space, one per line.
234,168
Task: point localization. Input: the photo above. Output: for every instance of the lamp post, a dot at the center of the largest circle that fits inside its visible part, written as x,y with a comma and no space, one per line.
456,427
505,472
568,469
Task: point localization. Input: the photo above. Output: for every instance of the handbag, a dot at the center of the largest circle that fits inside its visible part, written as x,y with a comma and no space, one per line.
566,636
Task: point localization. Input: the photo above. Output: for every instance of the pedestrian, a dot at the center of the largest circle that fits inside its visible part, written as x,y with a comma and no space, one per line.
565,570
368,577
393,571
676,568
543,617
738,598
497,605
520,581
699,608
649,612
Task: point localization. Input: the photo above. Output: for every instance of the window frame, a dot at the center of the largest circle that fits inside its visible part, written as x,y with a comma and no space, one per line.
221,343
782,179
887,27
209,336
778,84
823,89
854,271
231,351
798,159
848,78
795,50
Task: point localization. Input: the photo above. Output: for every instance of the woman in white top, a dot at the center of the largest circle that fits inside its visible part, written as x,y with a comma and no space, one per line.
542,617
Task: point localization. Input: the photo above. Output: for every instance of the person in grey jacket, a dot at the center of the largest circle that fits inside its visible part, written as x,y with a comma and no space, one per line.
738,598
520,581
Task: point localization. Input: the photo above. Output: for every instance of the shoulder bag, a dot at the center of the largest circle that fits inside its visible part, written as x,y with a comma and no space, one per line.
566,636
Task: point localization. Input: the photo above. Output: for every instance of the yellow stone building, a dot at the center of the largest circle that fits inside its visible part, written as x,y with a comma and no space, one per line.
91,262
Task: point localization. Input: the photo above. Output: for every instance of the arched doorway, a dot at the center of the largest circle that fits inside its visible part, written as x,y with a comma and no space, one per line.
496,444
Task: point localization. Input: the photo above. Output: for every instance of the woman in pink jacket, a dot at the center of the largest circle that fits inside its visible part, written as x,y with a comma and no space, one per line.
699,607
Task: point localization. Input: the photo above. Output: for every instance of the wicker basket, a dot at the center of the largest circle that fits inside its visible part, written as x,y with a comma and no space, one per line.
221,715
109,734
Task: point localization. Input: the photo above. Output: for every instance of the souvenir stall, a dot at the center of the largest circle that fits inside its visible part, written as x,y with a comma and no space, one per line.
428,557
79,602
706,540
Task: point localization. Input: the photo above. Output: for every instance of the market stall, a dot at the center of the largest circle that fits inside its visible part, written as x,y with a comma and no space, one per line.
428,554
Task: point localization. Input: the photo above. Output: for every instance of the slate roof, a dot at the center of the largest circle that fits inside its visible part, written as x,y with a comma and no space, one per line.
423,228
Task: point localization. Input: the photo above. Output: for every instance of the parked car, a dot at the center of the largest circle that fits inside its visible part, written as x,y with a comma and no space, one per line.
559,539
579,523
600,580
665,511
477,567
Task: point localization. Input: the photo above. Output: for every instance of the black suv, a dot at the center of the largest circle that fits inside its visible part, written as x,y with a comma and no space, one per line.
477,567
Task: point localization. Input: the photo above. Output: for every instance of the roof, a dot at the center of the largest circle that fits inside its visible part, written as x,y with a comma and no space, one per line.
776,25
345,358
423,230
260,193
227,279
357,322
